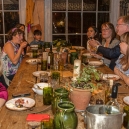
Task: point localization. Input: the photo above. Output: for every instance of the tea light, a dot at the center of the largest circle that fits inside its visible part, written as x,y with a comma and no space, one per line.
76,69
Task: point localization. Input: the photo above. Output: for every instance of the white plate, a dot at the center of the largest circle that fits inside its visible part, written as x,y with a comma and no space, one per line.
10,104
110,77
126,100
33,61
87,54
32,46
78,47
37,73
95,63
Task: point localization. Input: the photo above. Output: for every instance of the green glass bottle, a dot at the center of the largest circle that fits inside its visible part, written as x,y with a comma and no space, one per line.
50,61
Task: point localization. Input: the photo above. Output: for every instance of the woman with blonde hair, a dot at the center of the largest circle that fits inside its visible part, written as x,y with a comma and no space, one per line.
122,64
3,91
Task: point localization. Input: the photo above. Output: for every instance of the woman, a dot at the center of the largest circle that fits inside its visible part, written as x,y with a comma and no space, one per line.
92,33
3,91
22,27
122,64
12,52
108,39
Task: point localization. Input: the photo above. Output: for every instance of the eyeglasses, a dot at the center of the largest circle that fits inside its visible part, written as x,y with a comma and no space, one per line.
120,24
105,29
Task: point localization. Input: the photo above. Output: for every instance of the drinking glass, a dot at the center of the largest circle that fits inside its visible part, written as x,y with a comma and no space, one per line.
85,60
34,53
44,77
44,61
47,95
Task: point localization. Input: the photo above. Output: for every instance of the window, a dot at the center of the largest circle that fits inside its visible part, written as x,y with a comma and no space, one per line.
9,17
69,19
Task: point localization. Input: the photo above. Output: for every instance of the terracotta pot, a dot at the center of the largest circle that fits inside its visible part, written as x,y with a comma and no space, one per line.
80,98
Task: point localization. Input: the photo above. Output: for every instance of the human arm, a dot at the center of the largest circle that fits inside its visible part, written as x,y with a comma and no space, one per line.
9,49
121,75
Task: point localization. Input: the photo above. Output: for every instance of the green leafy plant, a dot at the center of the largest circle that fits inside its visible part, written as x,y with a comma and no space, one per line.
89,79
61,43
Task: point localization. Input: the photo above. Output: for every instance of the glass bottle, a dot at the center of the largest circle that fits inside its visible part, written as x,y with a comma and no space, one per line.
50,61
113,105
60,63
108,91
126,117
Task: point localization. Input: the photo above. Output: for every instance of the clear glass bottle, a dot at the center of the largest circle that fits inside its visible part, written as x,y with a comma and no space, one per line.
108,91
50,61
113,105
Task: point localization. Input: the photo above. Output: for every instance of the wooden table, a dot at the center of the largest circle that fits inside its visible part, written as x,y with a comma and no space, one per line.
17,119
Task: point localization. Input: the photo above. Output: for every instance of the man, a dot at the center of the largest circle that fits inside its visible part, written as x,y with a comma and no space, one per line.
113,53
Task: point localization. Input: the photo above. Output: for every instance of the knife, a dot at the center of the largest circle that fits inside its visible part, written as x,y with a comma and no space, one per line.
20,95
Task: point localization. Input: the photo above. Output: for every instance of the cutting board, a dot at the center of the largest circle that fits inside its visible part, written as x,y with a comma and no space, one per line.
123,90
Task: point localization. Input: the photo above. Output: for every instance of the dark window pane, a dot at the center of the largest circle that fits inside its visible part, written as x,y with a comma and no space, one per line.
59,5
1,41
89,19
10,19
58,22
85,41
1,23
74,22
11,5
89,5
102,17
0,4
75,40
63,37
103,5
74,5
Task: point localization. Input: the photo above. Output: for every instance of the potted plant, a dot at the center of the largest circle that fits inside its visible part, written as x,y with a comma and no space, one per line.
83,86
59,43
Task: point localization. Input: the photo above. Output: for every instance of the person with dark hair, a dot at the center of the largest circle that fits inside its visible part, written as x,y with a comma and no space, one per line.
12,52
108,39
37,38
92,32
113,53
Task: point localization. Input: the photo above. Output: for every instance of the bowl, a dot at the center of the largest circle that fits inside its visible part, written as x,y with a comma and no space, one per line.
38,88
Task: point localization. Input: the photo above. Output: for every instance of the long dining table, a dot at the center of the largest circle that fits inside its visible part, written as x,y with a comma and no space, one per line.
23,82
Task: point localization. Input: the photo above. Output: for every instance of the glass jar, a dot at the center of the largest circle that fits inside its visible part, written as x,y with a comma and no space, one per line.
73,56
60,95
65,118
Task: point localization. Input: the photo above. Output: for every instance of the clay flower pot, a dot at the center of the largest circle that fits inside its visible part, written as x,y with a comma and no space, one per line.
80,98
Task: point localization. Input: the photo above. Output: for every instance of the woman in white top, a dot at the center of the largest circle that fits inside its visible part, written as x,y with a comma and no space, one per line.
92,33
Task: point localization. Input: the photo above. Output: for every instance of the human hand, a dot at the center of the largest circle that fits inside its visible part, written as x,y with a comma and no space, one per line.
23,44
97,56
93,43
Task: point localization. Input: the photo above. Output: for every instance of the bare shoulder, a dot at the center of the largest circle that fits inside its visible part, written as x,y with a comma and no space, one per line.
8,46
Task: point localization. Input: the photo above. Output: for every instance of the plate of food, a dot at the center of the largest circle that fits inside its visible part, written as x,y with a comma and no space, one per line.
20,104
126,100
33,61
78,47
37,73
87,55
95,63
110,77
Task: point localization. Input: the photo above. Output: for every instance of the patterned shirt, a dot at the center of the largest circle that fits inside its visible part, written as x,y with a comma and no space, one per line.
34,42
119,66
8,67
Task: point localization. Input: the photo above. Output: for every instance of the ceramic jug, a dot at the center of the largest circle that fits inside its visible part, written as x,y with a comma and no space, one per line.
65,118
60,95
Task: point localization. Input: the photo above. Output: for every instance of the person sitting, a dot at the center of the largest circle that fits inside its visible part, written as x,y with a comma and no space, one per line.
3,91
92,32
108,39
37,38
22,27
122,64
113,53
12,53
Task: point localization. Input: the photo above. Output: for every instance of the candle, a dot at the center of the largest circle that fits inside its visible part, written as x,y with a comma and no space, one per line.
76,69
